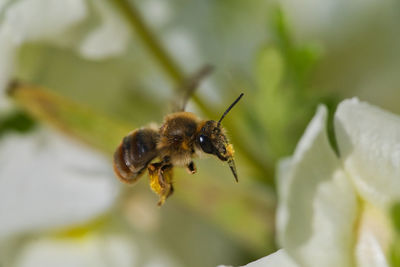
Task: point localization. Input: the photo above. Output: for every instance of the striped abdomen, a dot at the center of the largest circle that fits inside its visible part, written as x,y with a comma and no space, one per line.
134,153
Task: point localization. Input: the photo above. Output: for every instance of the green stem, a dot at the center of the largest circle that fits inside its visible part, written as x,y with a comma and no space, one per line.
138,25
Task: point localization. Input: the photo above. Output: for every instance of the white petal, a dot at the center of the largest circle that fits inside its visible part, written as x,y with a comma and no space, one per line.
279,258
30,20
318,204
374,238
369,143
182,43
48,181
284,176
111,38
157,12
91,251
321,17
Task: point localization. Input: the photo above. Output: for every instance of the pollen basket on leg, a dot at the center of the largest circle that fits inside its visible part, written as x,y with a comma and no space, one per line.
230,150
160,176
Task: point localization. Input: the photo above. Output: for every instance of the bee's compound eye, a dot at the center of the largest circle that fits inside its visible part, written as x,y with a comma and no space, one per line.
206,144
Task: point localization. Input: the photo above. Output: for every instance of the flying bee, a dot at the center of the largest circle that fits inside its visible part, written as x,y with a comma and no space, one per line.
180,138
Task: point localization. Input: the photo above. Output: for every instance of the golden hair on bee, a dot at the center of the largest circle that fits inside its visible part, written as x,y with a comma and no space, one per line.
175,143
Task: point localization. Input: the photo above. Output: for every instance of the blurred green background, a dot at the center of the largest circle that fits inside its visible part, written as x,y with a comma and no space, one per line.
286,57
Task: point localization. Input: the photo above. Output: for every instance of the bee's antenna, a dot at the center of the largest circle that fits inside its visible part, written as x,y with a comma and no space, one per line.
193,83
228,109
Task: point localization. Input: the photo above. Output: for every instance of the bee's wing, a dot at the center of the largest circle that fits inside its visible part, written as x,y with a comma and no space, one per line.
189,86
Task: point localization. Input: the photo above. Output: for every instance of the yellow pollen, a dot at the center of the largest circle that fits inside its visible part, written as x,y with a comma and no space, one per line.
230,150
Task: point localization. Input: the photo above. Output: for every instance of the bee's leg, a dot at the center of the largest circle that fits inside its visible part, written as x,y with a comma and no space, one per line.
165,180
191,168
161,180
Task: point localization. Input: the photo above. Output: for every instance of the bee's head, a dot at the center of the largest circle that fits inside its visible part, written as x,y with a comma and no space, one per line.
211,139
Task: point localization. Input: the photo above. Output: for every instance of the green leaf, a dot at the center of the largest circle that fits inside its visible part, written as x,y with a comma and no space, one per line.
274,101
284,102
395,253
17,121
395,214
395,248
270,68
305,60
299,59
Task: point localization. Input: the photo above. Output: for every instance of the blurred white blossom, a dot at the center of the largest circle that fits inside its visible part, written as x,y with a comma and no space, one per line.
159,11
334,210
88,251
323,17
33,20
53,191
52,21
48,181
41,20
110,38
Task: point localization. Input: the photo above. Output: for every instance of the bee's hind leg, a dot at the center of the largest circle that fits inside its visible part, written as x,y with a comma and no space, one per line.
160,174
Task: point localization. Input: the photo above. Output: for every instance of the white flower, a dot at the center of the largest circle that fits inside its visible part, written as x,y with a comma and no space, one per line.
322,17
47,182
91,250
109,39
52,21
333,210
53,192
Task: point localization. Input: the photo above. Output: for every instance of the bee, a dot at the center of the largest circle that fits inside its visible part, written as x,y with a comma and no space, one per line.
181,137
